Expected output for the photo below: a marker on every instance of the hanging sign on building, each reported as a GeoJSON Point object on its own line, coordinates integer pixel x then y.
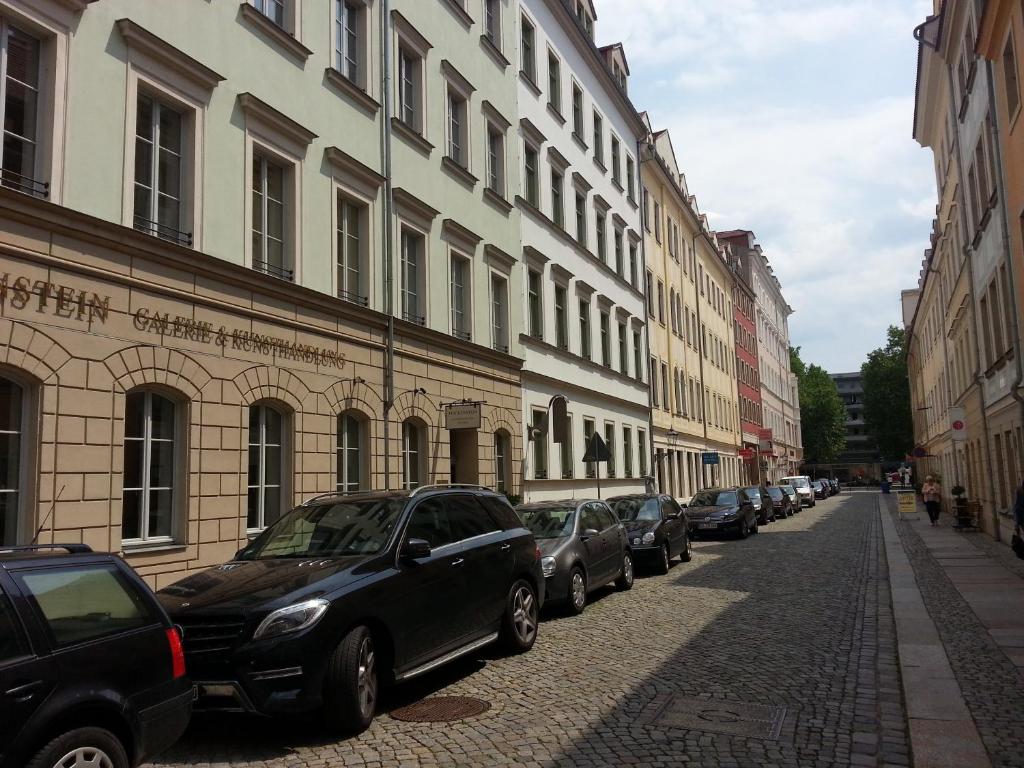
{"type": "Point", "coordinates": [746, 454]}
{"type": "Point", "coordinates": [710, 458]}
{"type": "Point", "coordinates": [764, 441]}
{"type": "Point", "coordinates": [462, 416]}
{"type": "Point", "coordinates": [958, 423]}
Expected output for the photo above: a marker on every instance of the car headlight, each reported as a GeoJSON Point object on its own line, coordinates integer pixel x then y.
{"type": "Point", "coordinates": [547, 565]}
{"type": "Point", "coordinates": [292, 618]}
{"type": "Point", "coordinates": [648, 537]}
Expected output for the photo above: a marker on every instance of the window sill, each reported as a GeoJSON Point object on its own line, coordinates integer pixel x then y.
{"type": "Point", "coordinates": [494, 52]}
{"type": "Point", "coordinates": [553, 110]}
{"type": "Point", "coordinates": [459, 13]}
{"type": "Point", "coordinates": [497, 201]}
{"type": "Point", "coordinates": [579, 141]}
{"type": "Point", "coordinates": [528, 81]}
{"type": "Point", "coordinates": [635, 206]}
{"type": "Point", "coordinates": [458, 172]}
{"type": "Point", "coordinates": [618, 185]}
{"type": "Point", "coordinates": [411, 137]}
{"type": "Point", "coordinates": [600, 165]}
{"type": "Point", "coordinates": [353, 92]}
{"type": "Point", "coordinates": [276, 34]}
{"type": "Point", "coordinates": [153, 548]}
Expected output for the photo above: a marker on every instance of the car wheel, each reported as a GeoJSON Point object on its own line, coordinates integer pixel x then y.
{"type": "Point", "coordinates": [625, 580]}
{"type": "Point", "coordinates": [576, 600]}
{"type": "Point", "coordinates": [522, 616]}
{"type": "Point", "coordinates": [82, 748]}
{"type": "Point", "coordinates": [665, 561]}
{"type": "Point", "coordinates": [352, 682]}
{"type": "Point", "coordinates": [686, 556]}
{"type": "Point", "coordinates": [754, 527]}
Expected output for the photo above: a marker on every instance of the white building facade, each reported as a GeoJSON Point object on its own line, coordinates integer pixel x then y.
{"type": "Point", "coordinates": [583, 304]}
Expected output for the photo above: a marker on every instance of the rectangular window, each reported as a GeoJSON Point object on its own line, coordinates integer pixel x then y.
{"type": "Point", "coordinates": [986, 328]}
{"type": "Point", "coordinates": [158, 163]}
{"type": "Point", "coordinates": [349, 234]}
{"type": "Point", "coordinates": [602, 237]}
{"type": "Point", "coordinates": [609, 440]}
{"type": "Point", "coordinates": [540, 446]}
{"type": "Point", "coordinates": [661, 302]}
{"type": "Point", "coordinates": [616, 171]}
{"type": "Point", "coordinates": [1010, 79]}
{"type": "Point", "coordinates": [657, 222]}
{"type": "Point", "coordinates": [499, 313]}
{"type": "Point", "coordinates": [459, 298]}
{"type": "Point", "coordinates": [535, 299]}
{"type": "Point", "coordinates": [647, 209]}
{"type": "Point", "coordinates": [650, 293]}
{"type": "Point", "coordinates": [627, 452]}
{"type": "Point", "coordinates": [577, 111]}
{"type": "Point", "coordinates": [530, 175]}
{"type": "Point", "coordinates": [634, 261]}
{"type": "Point", "coordinates": [652, 377]}
{"type": "Point", "coordinates": [554, 82]}
{"type": "Point", "coordinates": [630, 178]}
{"type": "Point", "coordinates": [641, 451]}
{"type": "Point", "coordinates": [350, 451]}
{"type": "Point", "coordinates": [623, 350]}
{"type": "Point", "coordinates": [557, 205]}
{"type": "Point", "coordinates": [606, 342]}
{"type": "Point", "coordinates": [566, 452]}
{"type": "Point", "coordinates": [584, 329]}
{"type": "Point", "coordinates": [637, 356]}
{"type": "Point", "coordinates": [666, 404]}
{"type": "Point", "coordinates": [620, 256]}
{"type": "Point", "coordinates": [272, 9]}
{"type": "Point", "coordinates": [492, 22]}
{"type": "Point", "coordinates": [346, 39]}
{"type": "Point", "coordinates": [268, 217]}
{"type": "Point", "coordinates": [409, 89]}
{"type": "Point", "coordinates": [581, 219]}
{"type": "Point", "coordinates": [588, 434]}
{"type": "Point", "coordinates": [412, 262]}
{"type": "Point", "coordinates": [526, 51]}
{"type": "Point", "coordinates": [495, 159]}
{"type": "Point", "coordinates": [561, 318]}
{"type": "Point", "coordinates": [598, 138]}
{"type": "Point", "coordinates": [457, 128]}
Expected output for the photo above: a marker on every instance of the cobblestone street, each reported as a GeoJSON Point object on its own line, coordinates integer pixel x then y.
{"type": "Point", "coordinates": [788, 618]}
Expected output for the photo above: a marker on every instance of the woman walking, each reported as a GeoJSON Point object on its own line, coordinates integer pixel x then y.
{"type": "Point", "coordinates": [930, 492]}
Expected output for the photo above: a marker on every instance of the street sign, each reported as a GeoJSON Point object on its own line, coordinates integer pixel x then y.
{"type": "Point", "coordinates": [958, 423]}
{"type": "Point", "coordinates": [462, 416]}
{"type": "Point", "coordinates": [746, 454]}
{"type": "Point", "coordinates": [710, 458]}
{"type": "Point", "coordinates": [907, 502]}
{"type": "Point", "coordinates": [596, 449]}
{"type": "Point", "coordinates": [764, 441]}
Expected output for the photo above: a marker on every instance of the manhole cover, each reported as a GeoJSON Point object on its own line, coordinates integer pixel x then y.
{"type": "Point", "coordinates": [732, 717]}
{"type": "Point", "coordinates": [441, 709]}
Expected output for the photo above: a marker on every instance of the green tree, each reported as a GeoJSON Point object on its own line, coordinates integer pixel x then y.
{"type": "Point", "coordinates": [822, 413]}
{"type": "Point", "coordinates": [887, 412]}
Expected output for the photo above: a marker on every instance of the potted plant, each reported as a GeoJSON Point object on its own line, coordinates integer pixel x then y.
{"type": "Point", "coordinates": [959, 492]}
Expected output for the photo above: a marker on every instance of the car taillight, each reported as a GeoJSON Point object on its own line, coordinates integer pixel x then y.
{"type": "Point", "coordinates": [177, 653]}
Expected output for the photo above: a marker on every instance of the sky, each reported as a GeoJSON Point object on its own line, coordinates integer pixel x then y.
{"type": "Point", "coordinates": [793, 119]}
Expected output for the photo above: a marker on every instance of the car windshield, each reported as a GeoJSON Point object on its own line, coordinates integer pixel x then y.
{"type": "Point", "coordinates": [775, 492]}
{"type": "Point", "coordinates": [714, 499]}
{"type": "Point", "coordinates": [637, 509]}
{"type": "Point", "coordinates": [356, 527]}
{"type": "Point", "coordinates": [797, 482]}
{"type": "Point", "coordinates": [789, 490]}
{"type": "Point", "coordinates": [548, 522]}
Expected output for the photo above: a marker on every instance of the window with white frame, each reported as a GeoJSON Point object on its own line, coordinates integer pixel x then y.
{"type": "Point", "coordinates": [609, 440]}
{"type": "Point", "coordinates": [566, 451]}
{"type": "Point", "coordinates": [350, 225]}
{"type": "Point", "coordinates": [410, 88]}
{"type": "Point", "coordinates": [348, 39]}
{"type": "Point", "coordinates": [561, 317]}
{"type": "Point", "coordinates": [637, 357]}
{"type": "Point", "coordinates": [627, 451]}
{"type": "Point", "coordinates": [492, 22]}
{"type": "Point", "coordinates": [502, 461]}
{"type": "Point", "coordinates": [20, 100]}
{"type": "Point", "coordinates": [590, 468]}
{"type": "Point", "coordinates": [630, 178]}
{"type": "Point", "coordinates": [352, 455]}
{"type": "Point", "coordinates": [623, 350]}
{"type": "Point", "coordinates": [499, 313]}
{"type": "Point", "coordinates": [460, 297]}
{"type": "Point", "coordinates": [581, 218]}
{"type": "Point", "coordinates": [527, 49]}
{"type": "Point", "coordinates": [641, 450]}
{"type": "Point", "coordinates": [158, 170]}
{"type": "Point", "coordinates": [273, 9]}
{"type": "Point", "coordinates": [606, 342]}
{"type": "Point", "coordinates": [269, 247]}
{"type": "Point", "coordinates": [633, 262]}
{"type": "Point", "coordinates": [413, 454]}
{"type": "Point", "coordinates": [620, 256]}
{"type": "Point", "coordinates": [585, 329]}
{"type": "Point", "coordinates": [600, 232]}
{"type": "Point", "coordinates": [598, 138]}
{"type": "Point", "coordinates": [577, 111]}
{"type": "Point", "coordinates": [458, 128]}
{"type": "Point", "coordinates": [266, 466]}
{"type": "Point", "coordinates": [557, 203]}
{"type": "Point", "coordinates": [554, 82]}
{"type": "Point", "coordinates": [12, 458]}
{"type": "Point", "coordinates": [535, 299]}
{"type": "Point", "coordinates": [412, 245]}
{"type": "Point", "coordinates": [540, 444]}
{"type": "Point", "coordinates": [495, 159]}
{"type": "Point", "coordinates": [148, 498]}
{"type": "Point", "coordinates": [616, 171]}
{"type": "Point", "coordinates": [530, 171]}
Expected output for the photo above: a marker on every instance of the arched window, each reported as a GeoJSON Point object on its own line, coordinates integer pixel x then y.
{"type": "Point", "coordinates": [147, 502]}
{"type": "Point", "coordinates": [11, 458]}
{"type": "Point", "coordinates": [352, 454]}
{"type": "Point", "coordinates": [502, 462]}
{"type": "Point", "coordinates": [413, 454]}
{"type": "Point", "coordinates": [266, 465]}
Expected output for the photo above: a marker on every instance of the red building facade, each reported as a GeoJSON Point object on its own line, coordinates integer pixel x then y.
{"type": "Point", "coordinates": [747, 370]}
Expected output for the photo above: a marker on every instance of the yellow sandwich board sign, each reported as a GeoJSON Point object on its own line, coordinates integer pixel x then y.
{"type": "Point", "coordinates": [907, 502]}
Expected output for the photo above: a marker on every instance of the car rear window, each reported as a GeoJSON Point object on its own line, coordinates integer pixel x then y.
{"type": "Point", "coordinates": [11, 643]}
{"type": "Point", "coordinates": [85, 602]}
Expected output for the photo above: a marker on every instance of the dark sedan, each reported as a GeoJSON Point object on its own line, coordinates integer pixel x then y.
{"type": "Point", "coordinates": [782, 505]}
{"type": "Point", "coordinates": [583, 547]}
{"type": "Point", "coordinates": [758, 496]}
{"type": "Point", "coordinates": [820, 489]}
{"type": "Point", "coordinates": [656, 527]}
{"type": "Point", "coordinates": [722, 510]}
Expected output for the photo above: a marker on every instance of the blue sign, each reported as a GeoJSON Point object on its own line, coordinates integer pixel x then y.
{"type": "Point", "coordinates": [710, 458]}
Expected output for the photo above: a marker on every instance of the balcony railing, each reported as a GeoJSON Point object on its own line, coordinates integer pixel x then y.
{"type": "Point", "coordinates": [501, 347]}
{"type": "Point", "coordinates": [24, 184]}
{"type": "Point", "coordinates": [163, 232]}
{"type": "Point", "coordinates": [272, 269]}
{"type": "Point", "coordinates": [464, 335]}
{"type": "Point", "coordinates": [411, 318]}
{"type": "Point", "coordinates": [353, 297]}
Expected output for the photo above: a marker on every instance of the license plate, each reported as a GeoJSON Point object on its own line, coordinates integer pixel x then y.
{"type": "Point", "coordinates": [708, 525]}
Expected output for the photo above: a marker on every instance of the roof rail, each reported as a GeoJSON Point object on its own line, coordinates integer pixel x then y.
{"type": "Point", "coordinates": [319, 496]}
{"type": "Point", "coordinates": [72, 549]}
{"type": "Point", "coordinates": [437, 486]}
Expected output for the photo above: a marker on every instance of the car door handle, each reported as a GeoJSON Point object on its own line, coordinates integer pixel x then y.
{"type": "Point", "coordinates": [23, 693]}
{"type": "Point", "coordinates": [506, 547]}
{"type": "Point", "coordinates": [458, 563]}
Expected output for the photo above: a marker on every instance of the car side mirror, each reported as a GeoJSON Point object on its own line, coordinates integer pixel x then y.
{"type": "Point", "coordinates": [238, 554]}
{"type": "Point", "coordinates": [415, 549]}
{"type": "Point", "coordinates": [587, 533]}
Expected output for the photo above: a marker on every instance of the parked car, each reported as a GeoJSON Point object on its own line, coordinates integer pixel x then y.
{"type": "Point", "coordinates": [583, 546]}
{"type": "Point", "coordinates": [722, 510]}
{"type": "Point", "coordinates": [802, 483]}
{"type": "Point", "coordinates": [91, 668]}
{"type": "Point", "coordinates": [820, 489]}
{"type": "Point", "coordinates": [758, 495]}
{"type": "Point", "coordinates": [656, 528]}
{"type": "Point", "coordinates": [782, 507]}
{"type": "Point", "coordinates": [344, 594]}
{"type": "Point", "coordinates": [836, 487]}
{"type": "Point", "coordinates": [794, 497]}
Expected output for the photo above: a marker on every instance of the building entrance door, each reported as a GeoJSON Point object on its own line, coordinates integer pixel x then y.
{"type": "Point", "coordinates": [464, 450]}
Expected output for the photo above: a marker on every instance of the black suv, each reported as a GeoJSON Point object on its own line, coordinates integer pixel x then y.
{"type": "Point", "coordinates": [344, 593]}
{"type": "Point", "coordinates": [91, 670]}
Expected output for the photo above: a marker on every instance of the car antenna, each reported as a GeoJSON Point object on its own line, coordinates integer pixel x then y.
{"type": "Point", "coordinates": [50, 512]}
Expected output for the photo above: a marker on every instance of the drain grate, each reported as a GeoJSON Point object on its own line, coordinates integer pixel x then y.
{"type": "Point", "coordinates": [735, 718]}
{"type": "Point", "coordinates": [441, 709]}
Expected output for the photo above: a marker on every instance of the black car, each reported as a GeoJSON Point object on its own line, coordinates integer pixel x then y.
{"type": "Point", "coordinates": [722, 510]}
{"type": "Point", "coordinates": [820, 489]}
{"type": "Point", "coordinates": [782, 505]}
{"type": "Point", "coordinates": [91, 671]}
{"type": "Point", "coordinates": [836, 488]}
{"type": "Point", "coordinates": [583, 547]}
{"type": "Point", "coordinates": [345, 593]}
{"type": "Point", "coordinates": [796, 503]}
{"type": "Point", "coordinates": [656, 527]}
{"type": "Point", "coordinates": [758, 496]}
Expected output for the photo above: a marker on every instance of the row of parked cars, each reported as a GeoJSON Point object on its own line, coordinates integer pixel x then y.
{"type": "Point", "coordinates": [341, 596]}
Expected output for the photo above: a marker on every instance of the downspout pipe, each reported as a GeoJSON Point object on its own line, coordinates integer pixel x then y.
{"type": "Point", "coordinates": [651, 453]}
{"type": "Point", "coordinates": [701, 348]}
{"type": "Point", "coordinates": [388, 234]}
